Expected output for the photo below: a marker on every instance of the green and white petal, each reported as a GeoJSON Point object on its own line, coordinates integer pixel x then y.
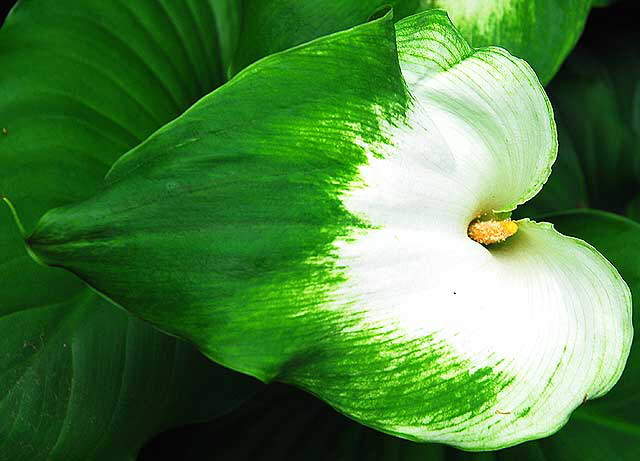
{"type": "Point", "coordinates": [307, 222]}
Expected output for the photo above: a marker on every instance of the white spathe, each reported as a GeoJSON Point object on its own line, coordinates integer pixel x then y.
{"type": "Point", "coordinates": [541, 307]}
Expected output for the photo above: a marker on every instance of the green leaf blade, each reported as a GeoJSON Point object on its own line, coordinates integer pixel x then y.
{"type": "Point", "coordinates": [82, 82]}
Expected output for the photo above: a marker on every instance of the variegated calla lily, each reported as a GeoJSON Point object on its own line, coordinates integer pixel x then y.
{"type": "Point", "coordinates": [336, 217]}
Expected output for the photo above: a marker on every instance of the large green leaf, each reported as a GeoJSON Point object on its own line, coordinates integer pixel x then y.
{"type": "Point", "coordinates": [307, 222]}
{"type": "Point", "coordinates": [81, 83]}
{"type": "Point", "coordinates": [541, 31]}
{"type": "Point", "coordinates": [287, 424]}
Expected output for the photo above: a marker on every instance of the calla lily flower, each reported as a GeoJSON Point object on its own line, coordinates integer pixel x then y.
{"type": "Point", "coordinates": [337, 217]}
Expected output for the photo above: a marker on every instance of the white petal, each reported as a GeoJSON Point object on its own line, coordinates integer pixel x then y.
{"type": "Point", "coordinates": [545, 313]}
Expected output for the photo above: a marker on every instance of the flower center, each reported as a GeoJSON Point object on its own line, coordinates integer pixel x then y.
{"type": "Point", "coordinates": [491, 231]}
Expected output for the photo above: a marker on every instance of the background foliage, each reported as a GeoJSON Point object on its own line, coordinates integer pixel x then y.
{"type": "Point", "coordinates": [596, 97]}
{"type": "Point", "coordinates": [79, 377]}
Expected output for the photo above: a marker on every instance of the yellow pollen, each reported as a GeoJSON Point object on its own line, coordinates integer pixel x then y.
{"type": "Point", "coordinates": [488, 232]}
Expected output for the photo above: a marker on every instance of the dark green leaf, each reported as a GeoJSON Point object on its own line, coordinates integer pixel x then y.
{"type": "Point", "coordinates": [269, 26]}
{"type": "Point", "coordinates": [81, 83]}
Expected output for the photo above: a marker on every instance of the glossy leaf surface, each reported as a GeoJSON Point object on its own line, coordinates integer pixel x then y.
{"type": "Point", "coordinates": [300, 228]}
{"type": "Point", "coordinates": [633, 209]}
{"type": "Point", "coordinates": [81, 83]}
